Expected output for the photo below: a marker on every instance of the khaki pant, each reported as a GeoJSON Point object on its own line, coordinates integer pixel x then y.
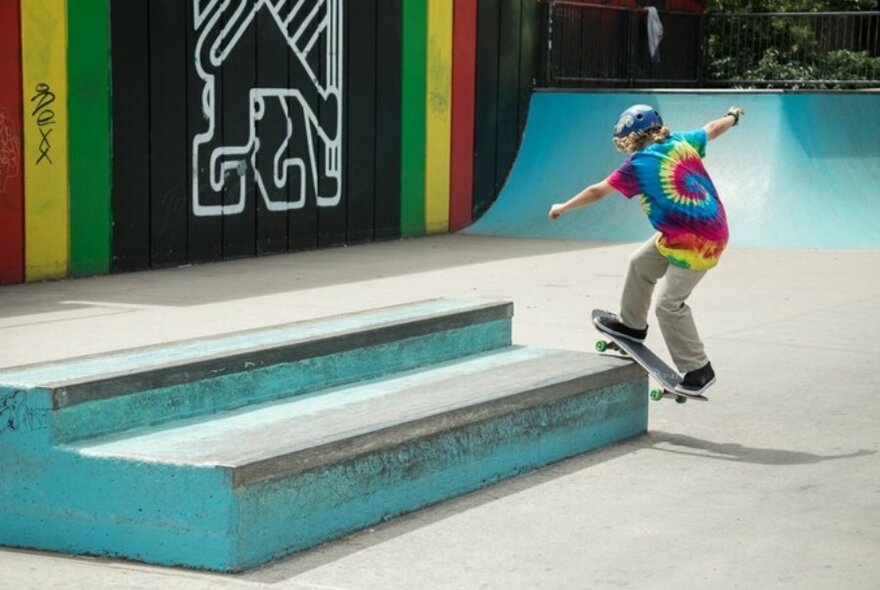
{"type": "Point", "coordinates": [646, 267]}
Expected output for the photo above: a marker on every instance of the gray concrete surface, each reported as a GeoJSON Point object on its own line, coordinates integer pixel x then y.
{"type": "Point", "coordinates": [775, 483]}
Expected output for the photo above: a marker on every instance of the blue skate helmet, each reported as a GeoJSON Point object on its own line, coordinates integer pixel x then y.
{"type": "Point", "coordinates": [638, 117]}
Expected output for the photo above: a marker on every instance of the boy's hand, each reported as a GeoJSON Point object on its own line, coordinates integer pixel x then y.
{"type": "Point", "coordinates": [718, 127]}
{"type": "Point", "coordinates": [736, 113]}
{"type": "Point", "coordinates": [588, 196]}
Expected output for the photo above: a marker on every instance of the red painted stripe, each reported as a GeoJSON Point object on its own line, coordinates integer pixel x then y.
{"type": "Point", "coordinates": [464, 47]}
{"type": "Point", "coordinates": [11, 177]}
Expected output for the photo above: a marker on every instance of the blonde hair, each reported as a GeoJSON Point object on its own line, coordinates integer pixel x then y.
{"type": "Point", "coordinates": [639, 140]}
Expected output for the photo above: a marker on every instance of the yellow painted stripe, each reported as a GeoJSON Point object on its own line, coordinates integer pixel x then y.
{"type": "Point", "coordinates": [44, 84]}
{"type": "Point", "coordinates": [438, 115]}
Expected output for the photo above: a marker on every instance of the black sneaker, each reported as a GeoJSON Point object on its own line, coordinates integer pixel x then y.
{"type": "Point", "coordinates": [696, 382]}
{"type": "Point", "coordinates": [611, 324]}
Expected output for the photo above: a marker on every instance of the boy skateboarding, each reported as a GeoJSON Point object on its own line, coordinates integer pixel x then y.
{"type": "Point", "coordinates": [665, 170]}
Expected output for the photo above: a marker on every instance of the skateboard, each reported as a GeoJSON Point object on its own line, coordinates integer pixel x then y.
{"type": "Point", "coordinates": [667, 377]}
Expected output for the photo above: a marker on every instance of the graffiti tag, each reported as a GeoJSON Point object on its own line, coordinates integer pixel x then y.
{"type": "Point", "coordinates": [45, 119]}
{"type": "Point", "coordinates": [9, 150]}
{"type": "Point", "coordinates": [16, 414]}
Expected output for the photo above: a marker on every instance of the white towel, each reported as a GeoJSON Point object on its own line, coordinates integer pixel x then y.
{"type": "Point", "coordinates": [655, 34]}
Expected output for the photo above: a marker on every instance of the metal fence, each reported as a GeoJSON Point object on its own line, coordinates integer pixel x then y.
{"type": "Point", "coordinates": [604, 46]}
{"type": "Point", "coordinates": [589, 45]}
{"type": "Point", "coordinates": [807, 50]}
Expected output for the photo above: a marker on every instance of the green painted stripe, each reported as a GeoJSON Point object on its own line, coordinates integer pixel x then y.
{"type": "Point", "coordinates": [89, 107]}
{"type": "Point", "coordinates": [412, 161]}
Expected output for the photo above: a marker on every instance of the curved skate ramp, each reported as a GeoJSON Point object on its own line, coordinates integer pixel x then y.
{"type": "Point", "coordinates": [801, 171]}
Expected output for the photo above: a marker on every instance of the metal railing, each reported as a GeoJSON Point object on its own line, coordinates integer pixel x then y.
{"type": "Point", "coordinates": [590, 45]}
{"type": "Point", "coordinates": [604, 46]}
{"type": "Point", "coordinates": [806, 50]}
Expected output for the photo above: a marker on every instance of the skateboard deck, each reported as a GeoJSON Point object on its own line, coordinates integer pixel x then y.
{"type": "Point", "coordinates": [665, 375]}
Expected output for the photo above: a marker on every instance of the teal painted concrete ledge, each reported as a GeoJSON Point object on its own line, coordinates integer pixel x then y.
{"type": "Point", "coordinates": [348, 426]}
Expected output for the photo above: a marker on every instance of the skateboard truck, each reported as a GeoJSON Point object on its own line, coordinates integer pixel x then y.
{"type": "Point", "coordinates": [667, 377]}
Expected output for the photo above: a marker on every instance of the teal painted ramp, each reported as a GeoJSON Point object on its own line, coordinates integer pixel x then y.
{"type": "Point", "coordinates": [801, 171]}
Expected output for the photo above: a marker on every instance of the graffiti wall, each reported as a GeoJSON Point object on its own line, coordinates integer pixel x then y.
{"type": "Point", "coordinates": [11, 171]}
{"type": "Point", "coordinates": [44, 149]}
{"type": "Point", "coordinates": [154, 133]}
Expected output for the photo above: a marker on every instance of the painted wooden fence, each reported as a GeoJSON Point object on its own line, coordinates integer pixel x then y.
{"type": "Point", "coordinates": [11, 170]}
{"type": "Point", "coordinates": [139, 134]}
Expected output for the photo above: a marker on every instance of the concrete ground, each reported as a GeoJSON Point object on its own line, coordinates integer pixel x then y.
{"type": "Point", "coordinates": [775, 483]}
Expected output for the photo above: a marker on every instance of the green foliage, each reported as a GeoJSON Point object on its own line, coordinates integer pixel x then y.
{"type": "Point", "coordinates": [774, 68]}
{"type": "Point", "coordinates": [785, 50]}
{"type": "Point", "coordinates": [853, 65]}
{"type": "Point", "coordinates": [750, 6]}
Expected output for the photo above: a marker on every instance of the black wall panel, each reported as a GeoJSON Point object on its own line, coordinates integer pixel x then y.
{"type": "Point", "coordinates": [205, 233]}
{"type": "Point", "coordinates": [239, 77]}
{"type": "Point", "coordinates": [529, 56]}
{"type": "Point", "coordinates": [360, 127]}
{"type": "Point", "coordinates": [331, 220]}
{"type": "Point", "coordinates": [271, 127]}
{"type": "Point", "coordinates": [168, 167]}
{"type": "Point", "coordinates": [486, 105]}
{"type": "Point", "coordinates": [388, 112]}
{"type": "Point", "coordinates": [506, 68]}
{"type": "Point", "coordinates": [303, 221]}
{"type": "Point", "coordinates": [509, 32]}
{"type": "Point", "coordinates": [131, 139]}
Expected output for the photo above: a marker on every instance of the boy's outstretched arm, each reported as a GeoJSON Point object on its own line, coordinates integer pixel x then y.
{"type": "Point", "coordinates": [719, 126]}
{"type": "Point", "coordinates": [588, 196]}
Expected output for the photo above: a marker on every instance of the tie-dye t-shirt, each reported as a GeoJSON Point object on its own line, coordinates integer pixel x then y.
{"type": "Point", "coordinates": [679, 198]}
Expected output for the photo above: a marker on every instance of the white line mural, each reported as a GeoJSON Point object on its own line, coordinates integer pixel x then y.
{"type": "Point", "coordinates": [302, 156]}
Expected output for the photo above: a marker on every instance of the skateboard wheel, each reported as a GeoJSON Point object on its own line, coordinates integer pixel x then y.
{"type": "Point", "coordinates": [681, 399]}
{"type": "Point", "coordinates": [601, 346]}
{"type": "Point", "coordinates": [656, 394]}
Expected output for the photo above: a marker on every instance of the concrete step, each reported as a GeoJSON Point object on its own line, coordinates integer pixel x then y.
{"type": "Point", "coordinates": [90, 396]}
{"type": "Point", "coordinates": [235, 490]}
